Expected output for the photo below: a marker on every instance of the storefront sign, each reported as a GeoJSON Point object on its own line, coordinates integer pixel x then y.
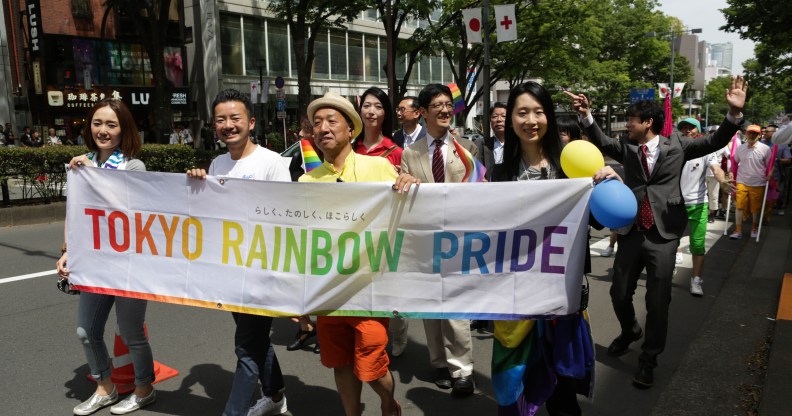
{"type": "Point", "coordinates": [133, 97]}
{"type": "Point", "coordinates": [37, 78]}
{"type": "Point", "coordinates": [35, 31]}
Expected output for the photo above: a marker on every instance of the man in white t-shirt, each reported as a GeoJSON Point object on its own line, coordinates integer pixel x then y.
{"type": "Point", "coordinates": [752, 158]}
{"type": "Point", "coordinates": [256, 360]}
{"type": "Point", "coordinates": [694, 191]}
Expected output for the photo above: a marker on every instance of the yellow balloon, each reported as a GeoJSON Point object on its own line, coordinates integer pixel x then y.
{"type": "Point", "coordinates": [581, 159]}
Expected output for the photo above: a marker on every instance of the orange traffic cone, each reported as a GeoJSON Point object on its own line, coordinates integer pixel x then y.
{"type": "Point", "coordinates": [123, 375]}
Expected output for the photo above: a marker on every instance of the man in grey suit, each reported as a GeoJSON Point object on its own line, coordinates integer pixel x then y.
{"type": "Point", "coordinates": [434, 159]}
{"type": "Point", "coordinates": [652, 166]}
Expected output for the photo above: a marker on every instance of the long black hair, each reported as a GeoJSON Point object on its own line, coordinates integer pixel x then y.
{"type": "Point", "coordinates": [550, 142]}
{"type": "Point", "coordinates": [387, 122]}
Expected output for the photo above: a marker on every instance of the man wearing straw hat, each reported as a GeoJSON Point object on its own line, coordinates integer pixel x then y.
{"type": "Point", "coordinates": [354, 347]}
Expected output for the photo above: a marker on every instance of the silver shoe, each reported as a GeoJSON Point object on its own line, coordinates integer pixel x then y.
{"type": "Point", "coordinates": [132, 403]}
{"type": "Point", "coordinates": [96, 402]}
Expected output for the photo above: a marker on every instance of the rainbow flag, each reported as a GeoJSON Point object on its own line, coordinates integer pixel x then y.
{"type": "Point", "coordinates": [311, 160]}
{"type": "Point", "coordinates": [474, 170]}
{"type": "Point", "coordinates": [456, 94]}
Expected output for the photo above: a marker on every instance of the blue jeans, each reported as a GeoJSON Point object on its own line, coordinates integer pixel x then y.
{"type": "Point", "coordinates": [92, 316]}
{"type": "Point", "coordinates": [256, 361]}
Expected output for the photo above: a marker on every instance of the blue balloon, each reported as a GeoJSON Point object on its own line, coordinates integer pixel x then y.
{"type": "Point", "coordinates": [613, 204]}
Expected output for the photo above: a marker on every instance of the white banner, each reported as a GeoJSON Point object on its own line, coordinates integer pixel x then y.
{"type": "Point", "coordinates": [473, 27]}
{"type": "Point", "coordinates": [481, 250]}
{"type": "Point", "coordinates": [506, 22]}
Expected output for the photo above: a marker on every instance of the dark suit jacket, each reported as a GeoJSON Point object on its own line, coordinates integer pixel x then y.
{"type": "Point", "coordinates": [486, 155]}
{"type": "Point", "coordinates": [665, 196]}
{"type": "Point", "coordinates": [398, 137]}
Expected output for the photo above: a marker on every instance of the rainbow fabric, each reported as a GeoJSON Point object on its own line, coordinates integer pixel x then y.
{"type": "Point", "coordinates": [528, 356]}
{"type": "Point", "coordinates": [311, 160]}
{"type": "Point", "coordinates": [474, 170]}
{"type": "Point", "coordinates": [456, 95]}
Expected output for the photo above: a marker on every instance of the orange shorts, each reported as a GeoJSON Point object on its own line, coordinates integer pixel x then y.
{"type": "Point", "coordinates": [356, 341]}
{"type": "Point", "coordinates": [749, 198]}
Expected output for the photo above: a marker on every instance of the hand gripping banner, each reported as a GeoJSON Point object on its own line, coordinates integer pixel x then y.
{"type": "Point", "coordinates": [474, 250]}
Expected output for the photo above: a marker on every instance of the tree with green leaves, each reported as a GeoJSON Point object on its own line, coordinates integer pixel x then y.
{"type": "Point", "coordinates": [615, 54]}
{"type": "Point", "coordinates": [544, 30]}
{"type": "Point", "coordinates": [394, 14]}
{"type": "Point", "coordinates": [308, 19]}
{"type": "Point", "coordinates": [766, 22]}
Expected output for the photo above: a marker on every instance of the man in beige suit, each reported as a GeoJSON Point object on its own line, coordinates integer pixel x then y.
{"type": "Point", "coordinates": [434, 159]}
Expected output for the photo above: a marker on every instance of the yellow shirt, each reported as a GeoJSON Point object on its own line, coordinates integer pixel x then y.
{"type": "Point", "coordinates": [357, 168]}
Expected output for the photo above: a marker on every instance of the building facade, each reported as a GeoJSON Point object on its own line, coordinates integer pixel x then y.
{"type": "Point", "coordinates": [239, 42]}
{"type": "Point", "coordinates": [65, 57]}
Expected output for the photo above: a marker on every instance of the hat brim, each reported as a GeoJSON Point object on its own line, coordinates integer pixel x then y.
{"type": "Point", "coordinates": [341, 104]}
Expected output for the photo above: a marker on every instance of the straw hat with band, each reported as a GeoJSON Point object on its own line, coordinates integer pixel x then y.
{"type": "Point", "coordinates": [341, 104]}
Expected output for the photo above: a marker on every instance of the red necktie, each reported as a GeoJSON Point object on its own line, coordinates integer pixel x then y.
{"type": "Point", "coordinates": [645, 216]}
{"type": "Point", "coordinates": [438, 170]}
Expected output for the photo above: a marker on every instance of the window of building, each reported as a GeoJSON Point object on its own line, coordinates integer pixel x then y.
{"type": "Point", "coordinates": [401, 67]}
{"type": "Point", "coordinates": [255, 45]}
{"type": "Point", "coordinates": [338, 55]}
{"type": "Point", "coordinates": [356, 64]}
{"type": "Point", "coordinates": [321, 66]}
{"type": "Point", "coordinates": [231, 44]}
{"type": "Point", "coordinates": [436, 69]}
{"type": "Point", "coordinates": [371, 14]}
{"type": "Point", "coordinates": [279, 50]}
{"type": "Point", "coordinates": [383, 60]}
{"type": "Point", "coordinates": [371, 54]}
{"type": "Point", "coordinates": [424, 71]}
{"type": "Point", "coordinates": [448, 76]}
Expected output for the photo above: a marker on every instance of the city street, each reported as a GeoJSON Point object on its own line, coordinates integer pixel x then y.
{"type": "Point", "coordinates": [45, 372]}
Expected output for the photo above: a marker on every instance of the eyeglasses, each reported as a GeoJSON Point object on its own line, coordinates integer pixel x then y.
{"type": "Point", "coordinates": [498, 117]}
{"type": "Point", "coordinates": [437, 106]}
{"type": "Point", "coordinates": [405, 110]}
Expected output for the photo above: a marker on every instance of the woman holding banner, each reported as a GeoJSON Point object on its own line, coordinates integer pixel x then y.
{"type": "Point", "coordinates": [539, 362]}
{"type": "Point", "coordinates": [114, 142]}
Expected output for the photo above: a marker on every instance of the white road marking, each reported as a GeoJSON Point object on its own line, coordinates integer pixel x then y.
{"type": "Point", "coordinates": [28, 276]}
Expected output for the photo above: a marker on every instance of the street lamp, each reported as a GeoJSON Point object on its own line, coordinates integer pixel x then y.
{"type": "Point", "coordinates": [261, 64]}
{"type": "Point", "coordinates": [673, 34]}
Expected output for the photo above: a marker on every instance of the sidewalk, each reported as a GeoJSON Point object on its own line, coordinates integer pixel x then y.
{"type": "Point", "coordinates": [723, 372]}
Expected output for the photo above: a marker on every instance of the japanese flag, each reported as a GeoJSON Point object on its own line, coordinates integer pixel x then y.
{"type": "Point", "coordinates": [663, 88]}
{"type": "Point", "coordinates": [506, 22]}
{"type": "Point", "coordinates": [472, 24]}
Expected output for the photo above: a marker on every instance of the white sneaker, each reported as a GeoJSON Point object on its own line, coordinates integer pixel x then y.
{"type": "Point", "coordinates": [266, 407]}
{"type": "Point", "coordinates": [781, 212]}
{"type": "Point", "coordinates": [678, 259]}
{"type": "Point", "coordinates": [736, 235]}
{"type": "Point", "coordinates": [607, 252]}
{"type": "Point", "coordinates": [754, 233]}
{"type": "Point", "coordinates": [695, 286]}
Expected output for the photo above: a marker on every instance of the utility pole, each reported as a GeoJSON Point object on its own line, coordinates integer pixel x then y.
{"type": "Point", "coordinates": [485, 124]}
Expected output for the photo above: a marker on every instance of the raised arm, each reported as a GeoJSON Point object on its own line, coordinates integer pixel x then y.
{"type": "Point", "coordinates": [609, 146]}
